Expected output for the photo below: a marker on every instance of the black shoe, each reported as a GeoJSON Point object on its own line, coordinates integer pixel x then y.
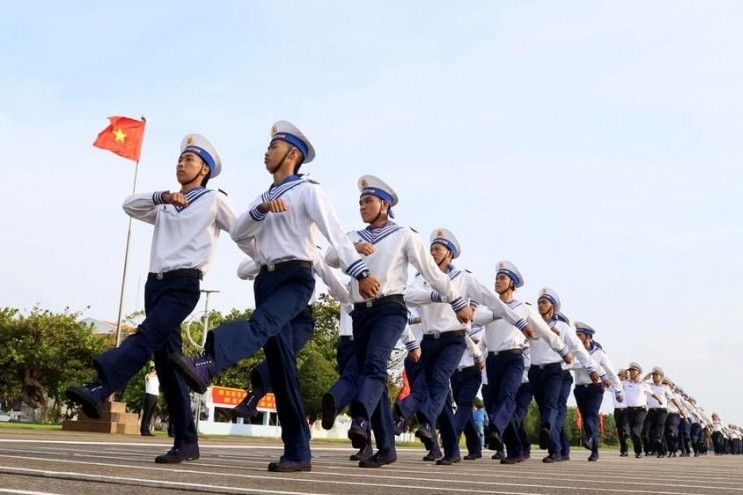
{"type": "Point", "coordinates": [551, 459]}
{"type": "Point", "coordinates": [247, 408]}
{"type": "Point", "coordinates": [593, 457]}
{"type": "Point", "coordinates": [424, 432]}
{"type": "Point", "coordinates": [638, 456]}
{"type": "Point", "coordinates": [90, 397]}
{"type": "Point", "coordinates": [198, 372]}
{"type": "Point", "coordinates": [493, 439]}
{"type": "Point", "coordinates": [472, 457]}
{"type": "Point", "coordinates": [380, 459]}
{"type": "Point", "coordinates": [432, 455]}
{"type": "Point", "coordinates": [357, 433]}
{"type": "Point", "coordinates": [566, 457]}
{"type": "Point", "coordinates": [176, 455]}
{"type": "Point", "coordinates": [363, 453]}
{"type": "Point", "coordinates": [448, 461]}
{"type": "Point", "coordinates": [498, 455]}
{"type": "Point", "coordinates": [329, 411]}
{"type": "Point", "coordinates": [587, 445]}
{"type": "Point", "coordinates": [623, 454]}
{"type": "Point", "coordinates": [287, 466]}
{"type": "Point", "coordinates": [512, 460]}
{"type": "Point", "coordinates": [146, 434]}
{"type": "Point", "coordinates": [544, 438]}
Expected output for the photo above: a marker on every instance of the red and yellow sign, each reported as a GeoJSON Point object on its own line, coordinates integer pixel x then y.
{"type": "Point", "coordinates": [230, 397]}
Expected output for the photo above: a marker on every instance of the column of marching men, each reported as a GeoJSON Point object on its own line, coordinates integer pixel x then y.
{"type": "Point", "coordinates": [462, 338]}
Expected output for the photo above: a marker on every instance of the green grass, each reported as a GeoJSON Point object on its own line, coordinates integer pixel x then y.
{"type": "Point", "coordinates": [29, 426]}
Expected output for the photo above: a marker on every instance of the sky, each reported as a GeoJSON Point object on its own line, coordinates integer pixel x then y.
{"type": "Point", "coordinates": [594, 144]}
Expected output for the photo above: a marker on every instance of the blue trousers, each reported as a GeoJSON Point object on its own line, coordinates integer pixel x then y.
{"type": "Point", "coordinates": [465, 384]}
{"type": "Point", "coordinates": [376, 330]}
{"type": "Point", "coordinates": [546, 384]}
{"type": "Point", "coordinates": [344, 389]}
{"type": "Point", "coordinates": [562, 411]}
{"type": "Point", "coordinates": [515, 437]}
{"type": "Point", "coordinates": [280, 297]}
{"type": "Point", "coordinates": [684, 436]}
{"type": "Point", "coordinates": [588, 398]}
{"type": "Point", "coordinates": [166, 303]}
{"type": "Point", "coordinates": [302, 327]}
{"type": "Point", "coordinates": [416, 373]}
{"type": "Point", "coordinates": [504, 378]}
{"type": "Point", "coordinates": [440, 359]}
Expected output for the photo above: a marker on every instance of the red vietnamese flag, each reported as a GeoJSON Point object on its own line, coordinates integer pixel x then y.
{"type": "Point", "coordinates": [123, 136]}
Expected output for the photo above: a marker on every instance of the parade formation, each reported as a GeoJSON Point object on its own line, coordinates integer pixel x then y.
{"type": "Point", "coordinates": [463, 339]}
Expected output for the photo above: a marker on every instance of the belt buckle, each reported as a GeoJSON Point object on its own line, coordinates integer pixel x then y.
{"type": "Point", "coordinates": [159, 275]}
{"type": "Point", "coordinates": [436, 335]}
{"type": "Point", "coordinates": [271, 267]}
{"type": "Point", "coordinates": [369, 303]}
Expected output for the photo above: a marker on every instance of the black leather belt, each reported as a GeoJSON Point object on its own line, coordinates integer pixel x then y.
{"type": "Point", "coordinates": [636, 408]}
{"type": "Point", "coordinates": [507, 351]}
{"type": "Point", "coordinates": [373, 303]}
{"type": "Point", "coordinates": [180, 273]}
{"type": "Point", "coordinates": [547, 366]}
{"type": "Point", "coordinates": [444, 335]}
{"type": "Point", "coordinates": [467, 368]}
{"type": "Point", "coordinates": [282, 265]}
{"type": "Point", "coordinates": [589, 385]}
{"type": "Point", "coordinates": [347, 338]}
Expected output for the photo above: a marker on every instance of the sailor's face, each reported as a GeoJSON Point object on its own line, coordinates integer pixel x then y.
{"type": "Point", "coordinates": [544, 305]}
{"type": "Point", "coordinates": [502, 283]}
{"type": "Point", "coordinates": [439, 252]}
{"type": "Point", "coordinates": [369, 207]}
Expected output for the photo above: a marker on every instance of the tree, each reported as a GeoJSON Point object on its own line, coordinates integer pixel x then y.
{"type": "Point", "coordinates": [43, 353]}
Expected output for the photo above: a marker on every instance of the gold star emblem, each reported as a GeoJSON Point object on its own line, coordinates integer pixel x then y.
{"type": "Point", "coordinates": [364, 183]}
{"type": "Point", "coordinates": [119, 135]}
{"type": "Point", "coordinates": [439, 234]}
{"type": "Point", "coordinates": [274, 130]}
{"type": "Point", "coordinates": [189, 140]}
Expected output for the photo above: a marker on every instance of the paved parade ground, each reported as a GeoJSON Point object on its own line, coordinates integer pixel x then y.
{"type": "Point", "coordinates": [55, 462]}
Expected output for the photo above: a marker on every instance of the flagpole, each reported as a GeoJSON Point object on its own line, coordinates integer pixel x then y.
{"type": "Point", "coordinates": [126, 258]}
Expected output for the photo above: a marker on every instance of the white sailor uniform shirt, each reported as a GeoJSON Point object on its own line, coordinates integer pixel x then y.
{"type": "Point", "coordinates": [662, 392]}
{"type": "Point", "coordinates": [289, 235]}
{"type": "Point", "coordinates": [500, 335]}
{"type": "Point", "coordinates": [601, 363]}
{"type": "Point", "coordinates": [394, 247]}
{"type": "Point", "coordinates": [636, 393]}
{"type": "Point", "coordinates": [184, 237]}
{"type": "Point", "coordinates": [542, 353]}
{"type": "Point", "coordinates": [438, 317]}
{"type": "Point", "coordinates": [566, 332]}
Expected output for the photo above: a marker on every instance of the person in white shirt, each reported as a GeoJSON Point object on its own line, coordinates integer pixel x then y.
{"type": "Point", "coordinates": [445, 340]}
{"type": "Point", "coordinates": [151, 393]}
{"type": "Point", "coordinates": [620, 417]}
{"type": "Point", "coordinates": [187, 224]}
{"type": "Point", "coordinates": [658, 412]}
{"type": "Point", "coordinates": [378, 322]}
{"type": "Point", "coordinates": [505, 342]}
{"type": "Point", "coordinates": [636, 393]}
{"type": "Point", "coordinates": [589, 395]}
{"type": "Point", "coordinates": [548, 385]}
{"type": "Point", "coordinates": [279, 227]}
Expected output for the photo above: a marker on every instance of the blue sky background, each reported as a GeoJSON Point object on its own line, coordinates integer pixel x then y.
{"type": "Point", "coordinates": [594, 144]}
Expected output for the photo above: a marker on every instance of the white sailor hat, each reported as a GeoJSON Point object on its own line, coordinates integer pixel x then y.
{"type": "Point", "coordinates": [658, 370]}
{"type": "Point", "coordinates": [634, 366]}
{"type": "Point", "coordinates": [369, 184]}
{"type": "Point", "coordinates": [289, 133]}
{"type": "Point", "coordinates": [448, 240]}
{"type": "Point", "coordinates": [551, 296]}
{"type": "Point", "coordinates": [584, 328]}
{"type": "Point", "coordinates": [196, 143]}
{"type": "Point", "coordinates": [511, 271]}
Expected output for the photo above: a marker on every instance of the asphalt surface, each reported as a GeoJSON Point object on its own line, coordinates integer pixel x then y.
{"type": "Point", "coordinates": [33, 462]}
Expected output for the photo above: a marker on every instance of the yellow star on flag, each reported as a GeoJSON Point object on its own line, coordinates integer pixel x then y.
{"type": "Point", "coordinates": [120, 136]}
